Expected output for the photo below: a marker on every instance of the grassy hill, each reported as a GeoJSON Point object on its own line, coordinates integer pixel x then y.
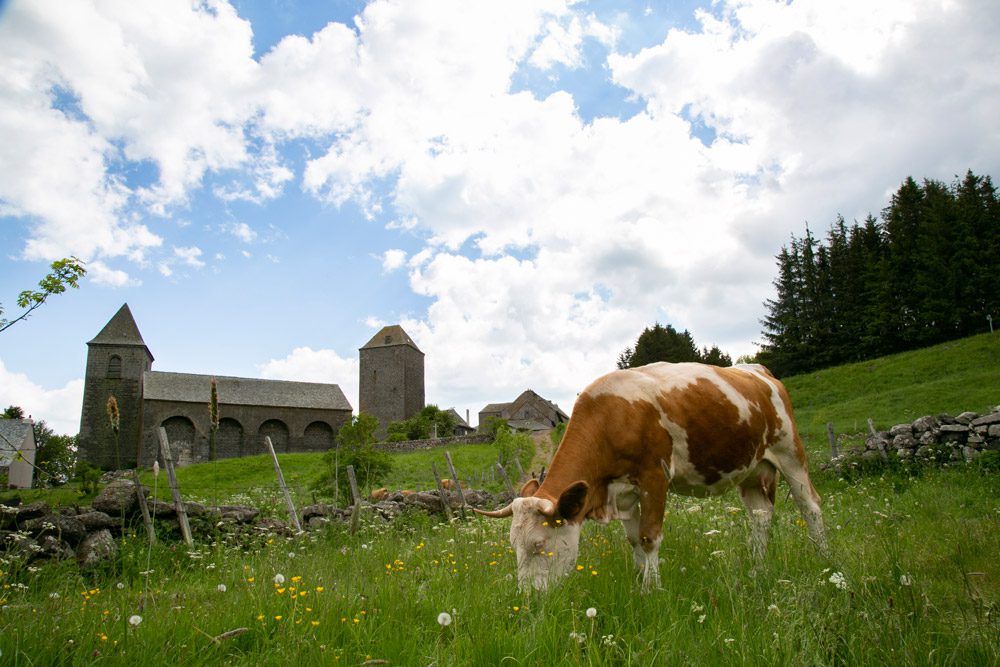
{"type": "Point", "coordinates": [951, 378]}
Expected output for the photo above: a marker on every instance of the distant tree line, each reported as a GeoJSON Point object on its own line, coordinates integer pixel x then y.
{"type": "Point", "coordinates": [664, 343]}
{"type": "Point", "coordinates": [927, 272]}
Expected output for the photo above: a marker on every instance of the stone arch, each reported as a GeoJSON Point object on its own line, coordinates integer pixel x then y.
{"type": "Point", "coordinates": [318, 437]}
{"type": "Point", "coordinates": [181, 435]}
{"type": "Point", "coordinates": [229, 438]}
{"type": "Point", "coordinates": [278, 432]}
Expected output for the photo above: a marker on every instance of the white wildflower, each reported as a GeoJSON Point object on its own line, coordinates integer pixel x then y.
{"type": "Point", "coordinates": [591, 612]}
{"type": "Point", "coordinates": [444, 619]}
{"type": "Point", "coordinates": [714, 531]}
{"type": "Point", "coordinates": [905, 580]}
{"type": "Point", "coordinates": [838, 580]}
{"type": "Point", "coordinates": [579, 637]}
{"type": "Point", "coordinates": [134, 620]}
{"type": "Point", "coordinates": [279, 578]}
{"type": "Point", "coordinates": [53, 595]}
{"type": "Point", "coordinates": [221, 588]}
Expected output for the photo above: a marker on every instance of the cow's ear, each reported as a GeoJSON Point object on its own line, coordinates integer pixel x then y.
{"type": "Point", "coordinates": [529, 488]}
{"type": "Point", "coordinates": [572, 500]}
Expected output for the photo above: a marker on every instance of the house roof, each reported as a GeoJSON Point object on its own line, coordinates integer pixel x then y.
{"type": "Point", "coordinates": [390, 336]}
{"type": "Point", "coordinates": [496, 407]}
{"type": "Point", "coordinates": [121, 330]}
{"type": "Point", "coordinates": [13, 433]}
{"type": "Point", "coordinates": [459, 419]}
{"type": "Point", "coordinates": [191, 388]}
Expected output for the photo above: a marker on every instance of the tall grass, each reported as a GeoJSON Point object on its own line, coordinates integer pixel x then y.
{"type": "Point", "coordinates": [912, 579]}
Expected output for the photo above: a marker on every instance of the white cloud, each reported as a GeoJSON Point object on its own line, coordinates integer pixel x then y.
{"type": "Point", "coordinates": [304, 364]}
{"type": "Point", "coordinates": [393, 259]}
{"type": "Point", "coordinates": [101, 273]}
{"type": "Point", "coordinates": [241, 231]}
{"type": "Point", "coordinates": [60, 408]}
{"type": "Point", "coordinates": [189, 256]}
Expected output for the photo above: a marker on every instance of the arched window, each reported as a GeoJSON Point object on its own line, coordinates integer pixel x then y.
{"type": "Point", "coordinates": [318, 437]}
{"type": "Point", "coordinates": [114, 367]}
{"type": "Point", "coordinates": [277, 431]}
{"type": "Point", "coordinates": [180, 435]}
{"type": "Point", "coordinates": [229, 438]}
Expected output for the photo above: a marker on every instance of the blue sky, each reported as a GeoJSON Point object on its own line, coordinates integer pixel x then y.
{"type": "Point", "coordinates": [523, 186]}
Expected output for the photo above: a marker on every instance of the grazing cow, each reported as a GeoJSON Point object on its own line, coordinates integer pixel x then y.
{"type": "Point", "coordinates": [379, 494]}
{"type": "Point", "coordinates": [696, 429]}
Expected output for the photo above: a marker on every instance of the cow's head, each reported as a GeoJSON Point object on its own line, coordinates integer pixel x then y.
{"type": "Point", "coordinates": [545, 535]}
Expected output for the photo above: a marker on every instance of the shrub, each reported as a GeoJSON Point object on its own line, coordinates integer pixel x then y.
{"type": "Point", "coordinates": [355, 448]}
{"type": "Point", "coordinates": [513, 445]}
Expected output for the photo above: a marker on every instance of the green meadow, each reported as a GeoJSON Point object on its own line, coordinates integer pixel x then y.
{"type": "Point", "coordinates": [912, 577]}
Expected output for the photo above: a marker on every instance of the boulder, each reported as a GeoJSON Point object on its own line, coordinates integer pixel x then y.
{"type": "Point", "coordinates": [966, 417]}
{"type": "Point", "coordinates": [901, 429]}
{"type": "Point", "coordinates": [924, 424]}
{"type": "Point", "coordinates": [96, 547]}
{"type": "Point", "coordinates": [238, 513]}
{"type": "Point", "coordinates": [117, 498]}
{"type": "Point", "coordinates": [93, 521]}
{"type": "Point", "coordinates": [33, 511]}
{"type": "Point", "coordinates": [68, 528]}
{"type": "Point", "coordinates": [986, 420]}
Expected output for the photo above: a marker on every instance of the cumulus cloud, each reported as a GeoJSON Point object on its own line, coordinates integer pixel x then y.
{"type": "Point", "coordinates": [393, 259]}
{"type": "Point", "coordinates": [305, 364]}
{"type": "Point", "coordinates": [60, 408]}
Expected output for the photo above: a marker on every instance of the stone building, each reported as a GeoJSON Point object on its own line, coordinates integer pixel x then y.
{"type": "Point", "coordinates": [17, 453]}
{"type": "Point", "coordinates": [298, 416]}
{"type": "Point", "coordinates": [527, 412]}
{"type": "Point", "coordinates": [391, 377]}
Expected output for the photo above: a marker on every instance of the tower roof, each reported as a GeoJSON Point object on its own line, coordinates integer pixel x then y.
{"type": "Point", "coordinates": [390, 336]}
{"type": "Point", "coordinates": [120, 330]}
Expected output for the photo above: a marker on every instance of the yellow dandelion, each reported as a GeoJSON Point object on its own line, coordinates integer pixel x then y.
{"type": "Point", "coordinates": [320, 589]}
{"type": "Point", "coordinates": [314, 623]}
{"type": "Point", "coordinates": [296, 579]}
{"type": "Point", "coordinates": [260, 617]}
{"type": "Point", "coordinates": [278, 617]}
{"type": "Point", "coordinates": [250, 580]}
{"type": "Point", "coordinates": [516, 608]}
{"type": "Point", "coordinates": [579, 568]}
{"type": "Point", "coordinates": [593, 573]}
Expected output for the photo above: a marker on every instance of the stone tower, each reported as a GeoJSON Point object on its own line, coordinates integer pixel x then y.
{"type": "Point", "coordinates": [116, 361]}
{"type": "Point", "coordinates": [391, 385]}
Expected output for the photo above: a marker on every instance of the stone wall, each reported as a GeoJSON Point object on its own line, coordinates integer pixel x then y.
{"type": "Point", "coordinates": [940, 439]}
{"type": "Point", "coordinates": [435, 443]}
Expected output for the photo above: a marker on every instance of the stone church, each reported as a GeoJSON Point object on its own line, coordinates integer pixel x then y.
{"type": "Point", "coordinates": [298, 416]}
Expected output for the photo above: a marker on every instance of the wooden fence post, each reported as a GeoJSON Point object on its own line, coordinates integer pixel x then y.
{"type": "Point", "coordinates": [442, 493]}
{"type": "Point", "coordinates": [168, 463]}
{"type": "Point", "coordinates": [520, 470]}
{"type": "Point", "coordinates": [356, 510]}
{"type": "Point", "coordinates": [458, 484]}
{"type": "Point", "coordinates": [506, 480]}
{"type": "Point", "coordinates": [878, 441]}
{"type": "Point", "coordinates": [146, 520]}
{"type": "Point", "coordinates": [833, 440]}
{"type": "Point", "coordinates": [281, 483]}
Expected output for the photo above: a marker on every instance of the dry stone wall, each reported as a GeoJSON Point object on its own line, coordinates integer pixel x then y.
{"type": "Point", "coordinates": [941, 439]}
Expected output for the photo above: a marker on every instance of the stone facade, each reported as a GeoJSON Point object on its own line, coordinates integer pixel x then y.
{"type": "Point", "coordinates": [17, 453]}
{"type": "Point", "coordinates": [527, 412]}
{"type": "Point", "coordinates": [298, 416]}
{"type": "Point", "coordinates": [391, 377]}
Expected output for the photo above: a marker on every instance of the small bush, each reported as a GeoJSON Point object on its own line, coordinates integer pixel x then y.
{"type": "Point", "coordinates": [355, 448]}
{"type": "Point", "coordinates": [513, 445]}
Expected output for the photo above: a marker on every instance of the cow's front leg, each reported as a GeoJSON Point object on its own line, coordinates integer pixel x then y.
{"type": "Point", "coordinates": [652, 500]}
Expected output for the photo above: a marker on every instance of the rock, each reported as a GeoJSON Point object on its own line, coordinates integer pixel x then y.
{"type": "Point", "coordinates": [430, 502]}
{"type": "Point", "coordinates": [52, 547]}
{"type": "Point", "coordinates": [923, 424]}
{"type": "Point", "coordinates": [272, 525]}
{"type": "Point", "coordinates": [117, 498]}
{"type": "Point", "coordinates": [966, 417]}
{"type": "Point", "coordinates": [321, 510]}
{"type": "Point", "coordinates": [93, 521]}
{"type": "Point", "coordinates": [986, 420]}
{"type": "Point", "coordinates": [33, 511]}
{"type": "Point", "coordinates": [903, 441]}
{"type": "Point", "coordinates": [68, 528]}
{"type": "Point", "coordinates": [901, 429]}
{"type": "Point", "coordinates": [869, 455]}
{"type": "Point", "coordinates": [388, 510]}
{"type": "Point", "coordinates": [952, 433]}
{"type": "Point", "coordinates": [994, 431]}
{"type": "Point", "coordinates": [927, 438]}
{"type": "Point", "coordinates": [945, 419]}
{"type": "Point", "coordinates": [162, 509]}
{"type": "Point", "coordinates": [238, 513]}
{"type": "Point", "coordinates": [96, 547]}
{"type": "Point", "coordinates": [969, 453]}
{"type": "Point", "coordinates": [924, 452]}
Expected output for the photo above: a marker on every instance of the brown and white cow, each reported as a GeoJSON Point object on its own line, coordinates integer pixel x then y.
{"type": "Point", "coordinates": [696, 429]}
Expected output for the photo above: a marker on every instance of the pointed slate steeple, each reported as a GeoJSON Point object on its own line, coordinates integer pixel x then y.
{"type": "Point", "coordinates": [121, 330]}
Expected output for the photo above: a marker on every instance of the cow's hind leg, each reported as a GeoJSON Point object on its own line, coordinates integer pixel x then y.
{"type": "Point", "coordinates": [793, 468]}
{"type": "Point", "coordinates": [757, 493]}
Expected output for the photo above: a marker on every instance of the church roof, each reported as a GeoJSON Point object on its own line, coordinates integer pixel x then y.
{"type": "Point", "coordinates": [390, 336]}
{"type": "Point", "coordinates": [192, 388]}
{"type": "Point", "coordinates": [120, 330]}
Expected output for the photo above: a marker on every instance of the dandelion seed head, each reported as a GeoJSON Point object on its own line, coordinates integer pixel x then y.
{"type": "Point", "coordinates": [221, 588]}
{"type": "Point", "coordinates": [279, 578]}
{"type": "Point", "coordinates": [591, 612]}
{"type": "Point", "coordinates": [134, 620]}
{"type": "Point", "coordinates": [444, 619]}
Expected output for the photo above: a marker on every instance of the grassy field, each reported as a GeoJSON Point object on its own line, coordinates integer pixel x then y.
{"type": "Point", "coordinates": [912, 577]}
